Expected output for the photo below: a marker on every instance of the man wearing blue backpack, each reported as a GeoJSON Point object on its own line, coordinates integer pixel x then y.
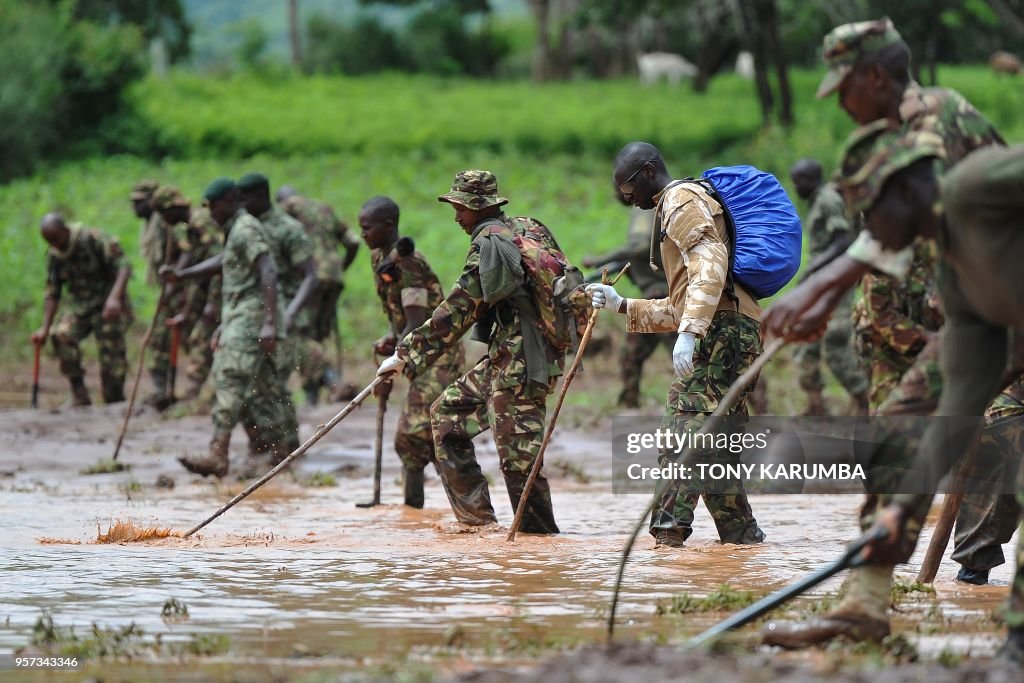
{"type": "Point", "coordinates": [717, 322]}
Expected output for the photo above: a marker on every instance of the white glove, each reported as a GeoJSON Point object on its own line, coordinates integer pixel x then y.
{"type": "Point", "coordinates": [682, 354]}
{"type": "Point", "coordinates": [391, 366]}
{"type": "Point", "coordinates": [604, 296]}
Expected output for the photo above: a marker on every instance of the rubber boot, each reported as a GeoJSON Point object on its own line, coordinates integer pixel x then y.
{"type": "Point", "coordinates": [312, 392]}
{"type": "Point", "coordinates": [861, 615]}
{"type": "Point", "coordinates": [538, 517]}
{"type": "Point", "coordinates": [113, 388]}
{"type": "Point", "coordinates": [79, 394]}
{"type": "Point", "coordinates": [414, 488]}
{"type": "Point", "coordinates": [815, 404]}
{"type": "Point", "coordinates": [159, 399]}
{"type": "Point", "coordinates": [629, 398]}
{"type": "Point", "coordinates": [215, 462]}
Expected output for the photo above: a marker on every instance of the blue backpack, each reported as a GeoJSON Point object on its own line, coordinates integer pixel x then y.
{"type": "Point", "coordinates": [763, 226]}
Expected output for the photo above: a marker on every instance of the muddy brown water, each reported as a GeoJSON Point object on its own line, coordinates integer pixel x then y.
{"type": "Point", "coordinates": [301, 570]}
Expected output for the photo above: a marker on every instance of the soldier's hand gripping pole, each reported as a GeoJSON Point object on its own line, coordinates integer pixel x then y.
{"type": "Point", "coordinates": [165, 290]}
{"type": "Point", "coordinates": [851, 557]}
{"type": "Point", "coordinates": [319, 434]}
{"type": "Point", "coordinates": [35, 375]}
{"type": "Point", "coordinates": [537, 463]}
{"type": "Point", "coordinates": [724, 406]}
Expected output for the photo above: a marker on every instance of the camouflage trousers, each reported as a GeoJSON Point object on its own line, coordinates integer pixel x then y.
{"type": "Point", "coordinates": [67, 337]}
{"type": "Point", "coordinates": [200, 355]}
{"type": "Point", "coordinates": [160, 344]}
{"type": "Point", "coordinates": [987, 520]}
{"type": "Point", "coordinates": [891, 449]}
{"type": "Point", "coordinates": [321, 322]}
{"type": "Point", "coordinates": [731, 344]}
{"type": "Point", "coordinates": [637, 349]}
{"type": "Point", "coordinates": [251, 390]}
{"type": "Point", "coordinates": [414, 439]}
{"type": "Point", "coordinates": [836, 347]}
{"type": "Point", "coordinates": [515, 415]}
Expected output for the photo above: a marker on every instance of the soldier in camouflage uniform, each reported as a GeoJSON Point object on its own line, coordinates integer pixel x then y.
{"type": "Point", "coordinates": [988, 519]}
{"type": "Point", "coordinates": [142, 205]}
{"type": "Point", "coordinates": [246, 369]}
{"type": "Point", "coordinates": [830, 233]}
{"type": "Point", "coordinates": [408, 290]}
{"type": "Point", "coordinates": [292, 250]}
{"type": "Point", "coordinates": [327, 232]}
{"type": "Point", "coordinates": [979, 235]}
{"type": "Point", "coordinates": [716, 322]}
{"type": "Point", "coordinates": [894, 320]}
{"type": "Point", "coordinates": [507, 390]}
{"type": "Point", "coordinates": [94, 268]}
{"type": "Point", "coordinates": [869, 67]}
{"type": "Point", "coordinates": [199, 236]}
{"type": "Point", "coordinates": [638, 347]}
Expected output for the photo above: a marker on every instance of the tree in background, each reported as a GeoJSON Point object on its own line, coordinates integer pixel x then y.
{"type": "Point", "coordinates": [162, 20]}
{"type": "Point", "coordinates": [62, 78]}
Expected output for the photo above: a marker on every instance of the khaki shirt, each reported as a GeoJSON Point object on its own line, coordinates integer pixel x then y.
{"type": "Point", "coordinates": [695, 253]}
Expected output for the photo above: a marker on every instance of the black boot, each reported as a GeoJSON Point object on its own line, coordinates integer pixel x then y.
{"type": "Point", "coordinates": [978, 577]}
{"type": "Point", "coordinates": [414, 488]}
{"type": "Point", "coordinates": [538, 517]}
{"type": "Point", "coordinates": [79, 394]}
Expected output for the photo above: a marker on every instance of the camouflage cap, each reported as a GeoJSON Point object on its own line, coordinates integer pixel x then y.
{"type": "Point", "coordinates": [167, 196]}
{"type": "Point", "coordinates": [474, 189]}
{"type": "Point", "coordinates": [218, 189]}
{"type": "Point", "coordinates": [876, 152]}
{"type": "Point", "coordinates": [144, 189]}
{"type": "Point", "coordinates": [845, 44]}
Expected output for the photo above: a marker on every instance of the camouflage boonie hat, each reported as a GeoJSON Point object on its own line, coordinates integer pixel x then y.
{"type": "Point", "coordinates": [144, 189]}
{"type": "Point", "coordinates": [474, 189]}
{"type": "Point", "coordinates": [167, 196]}
{"type": "Point", "coordinates": [876, 152]}
{"type": "Point", "coordinates": [845, 44]}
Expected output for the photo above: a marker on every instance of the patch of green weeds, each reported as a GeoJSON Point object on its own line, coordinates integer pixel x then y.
{"type": "Point", "coordinates": [106, 466]}
{"type": "Point", "coordinates": [725, 598]}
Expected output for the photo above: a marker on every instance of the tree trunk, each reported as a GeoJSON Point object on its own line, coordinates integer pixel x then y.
{"type": "Point", "coordinates": [293, 33]}
{"type": "Point", "coordinates": [542, 53]}
{"type": "Point", "coordinates": [769, 23]}
{"type": "Point", "coordinates": [753, 36]}
{"type": "Point", "coordinates": [716, 42]}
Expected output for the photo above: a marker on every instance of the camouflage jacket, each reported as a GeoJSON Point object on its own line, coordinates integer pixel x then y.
{"type": "Point", "coordinates": [243, 307]}
{"type": "Point", "coordinates": [636, 251]}
{"type": "Point", "coordinates": [465, 306]}
{"type": "Point", "coordinates": [153, 245]}
{"type": "Point", "coordinates": [826, 219]}
{"type": "Point", "coordinates": [290, 246]}
{"type": "Point", "coordinates": [963, 130]}
{"type": "Point", "coordinates": [327, 232]}
{"type": "Point", "coordinates": [206, 240]}
{"type": "Point", "coordinates": [408, 281]}
{"type": "Point", "coordinates": [696, 257]}
{"type": "Point", "coordinates": [895, 316]}
{"type": "Point", "coordinates": [88, 266]}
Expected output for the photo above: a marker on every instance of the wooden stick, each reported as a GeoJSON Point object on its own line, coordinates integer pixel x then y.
{"type": "Point", "coordinates": [160, 302]}
{"type": "Point", "coordinates": [319, 434]}
{"type": "Point", "coordinates": [535, 470]}
{"type": "Point", "coordinates": [724, 406]}
{"type": "Point", "coordinates": [378, 454]}
{"type": "Point", "coordinates": [35, 376]}
{"type": "Point", "coordinates": [940, 537]}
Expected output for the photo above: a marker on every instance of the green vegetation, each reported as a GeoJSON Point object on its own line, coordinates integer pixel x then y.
{"type": "Point", "coordinates": [725, 598]}
{"type": "Point", "coordinates": [321, 479]}
{"type": "Point", "coordinates": [122, 642]}
{"type": "Point", "coordinates": [106, 466]}
{"type": "Point", "coordinates": [345, 139]}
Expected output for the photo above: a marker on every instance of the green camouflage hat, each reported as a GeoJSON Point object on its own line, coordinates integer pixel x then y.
{"type": "Point", "coordinates": [251, 181]}
{"type": "Point", "coordinates": [876, 152]}
{"type": "Point", "coordinates": [846, 44]}
{"type": "Point", "coordinates": [167, 196]}
{"type": "Point", "coordinates": [144, 189]}
{"type": "Point", "coordinates": [474, 189]}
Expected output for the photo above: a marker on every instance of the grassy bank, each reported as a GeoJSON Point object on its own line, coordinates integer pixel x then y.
{"type": "Point", "coordinates": [344, 139]}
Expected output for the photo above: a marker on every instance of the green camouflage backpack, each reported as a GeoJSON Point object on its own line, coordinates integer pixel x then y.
{"type": "Point", "coordinates": [554, 284]}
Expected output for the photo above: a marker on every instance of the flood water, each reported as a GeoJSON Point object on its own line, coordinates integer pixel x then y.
{"type": "Point", "coordinates": [301, 570]}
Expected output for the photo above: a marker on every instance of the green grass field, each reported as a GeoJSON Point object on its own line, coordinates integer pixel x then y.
{"type": "Point", "coordinates": [343, 140]}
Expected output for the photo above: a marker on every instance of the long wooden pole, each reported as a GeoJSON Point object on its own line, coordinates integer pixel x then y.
{"type": "Point", "coordinates": [319, 434]}
{"type": "Point", "coordinates": [535, 470]}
